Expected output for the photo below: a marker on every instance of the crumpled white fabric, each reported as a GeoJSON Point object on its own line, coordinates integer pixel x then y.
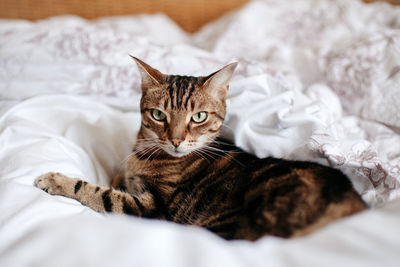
{"type": "Point", "coordinates": [86, 240]}
{"type": "Point", "coordinates": [317, 80]}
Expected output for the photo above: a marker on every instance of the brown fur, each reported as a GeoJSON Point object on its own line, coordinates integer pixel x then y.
{"type": "Point", "coordinates": [180, 171]}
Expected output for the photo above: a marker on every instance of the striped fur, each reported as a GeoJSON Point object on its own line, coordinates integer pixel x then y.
{"type": "Point", "coordinates": [205, 180]}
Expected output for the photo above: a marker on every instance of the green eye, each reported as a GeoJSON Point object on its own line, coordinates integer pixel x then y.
{"type": "Point", "coordinates": [158, 115]}
{"type": "Point", "coordinates": [199, 117]}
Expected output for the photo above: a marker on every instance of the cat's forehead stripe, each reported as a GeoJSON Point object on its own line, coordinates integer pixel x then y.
{"type": "Point", "coordinates": [180, 89]}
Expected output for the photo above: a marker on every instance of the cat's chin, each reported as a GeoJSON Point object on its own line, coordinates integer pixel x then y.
{"type": "Point", "coordinates": [178, 154]}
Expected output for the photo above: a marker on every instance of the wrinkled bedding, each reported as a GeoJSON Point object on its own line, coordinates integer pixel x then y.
{"type": "Point", "coordinates": [317, 80]}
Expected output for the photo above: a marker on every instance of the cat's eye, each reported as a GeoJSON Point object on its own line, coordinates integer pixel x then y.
{"type": "Point", "coordinates": [199, 117]}
{"type": "Point", "coordinates": [158, 115]}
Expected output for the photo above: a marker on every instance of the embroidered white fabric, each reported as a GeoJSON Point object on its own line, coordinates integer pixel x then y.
{"type": "Point", "coordinates": [317, 80]}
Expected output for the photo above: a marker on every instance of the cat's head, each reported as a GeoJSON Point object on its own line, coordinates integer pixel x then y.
{"type": "Point", "coordinates": [182, 114]}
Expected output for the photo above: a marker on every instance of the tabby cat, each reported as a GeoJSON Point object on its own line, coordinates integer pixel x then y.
{"type": "Point", "coordinates": [182, 172]}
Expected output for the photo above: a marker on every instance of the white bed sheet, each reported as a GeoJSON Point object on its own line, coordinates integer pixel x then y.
{"type": "Point", "coordinates": [69, 97]}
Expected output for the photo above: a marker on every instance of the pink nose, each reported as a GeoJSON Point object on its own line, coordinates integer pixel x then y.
{"type": "Point", "coordinates": [176, 142]}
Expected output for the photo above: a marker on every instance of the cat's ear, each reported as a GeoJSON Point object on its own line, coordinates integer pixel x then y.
{"type": "Point", "coordinates": [217, 83]}
{"type": "Point", "coordinates": [150, 76]}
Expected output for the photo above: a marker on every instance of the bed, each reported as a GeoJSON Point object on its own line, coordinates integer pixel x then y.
{"type": "Point", "coordinates": [317, 80]}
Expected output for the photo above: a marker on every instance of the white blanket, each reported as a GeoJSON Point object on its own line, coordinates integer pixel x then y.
{"type": "Point", "coordinates": [317, 80]}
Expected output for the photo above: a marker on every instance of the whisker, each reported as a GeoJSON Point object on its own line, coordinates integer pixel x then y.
{"type": "Point", "coordinates": [223, 151]}
{"type": "Point", "coordinates": [230, 128]}
{"type": "Point", "coordinates": [203, 154]}
{"type": "Point", "coordinates": [156, 150]}
{"type": "Point", "coordinates": [213, 141]}
{"type": "Point", "coordinates": [226, 154]}
{"type": "Point", "coordinates": [146, 151]}
{"type": "Point", "coordinates": [222, 143]}
{"type": "Point", "coordinates": [121, 165]}
{"type": "Point", "coordinates": [135, 151]}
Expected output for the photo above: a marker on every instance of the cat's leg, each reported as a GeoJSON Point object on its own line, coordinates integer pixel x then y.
{"type": "Point", "coordinates": [101, 199]}
{"type": "Point", "coordinates": [351, 204]}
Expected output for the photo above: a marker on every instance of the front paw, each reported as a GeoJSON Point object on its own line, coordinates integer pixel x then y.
{"type": "Point", "coordinates": [53, 183]}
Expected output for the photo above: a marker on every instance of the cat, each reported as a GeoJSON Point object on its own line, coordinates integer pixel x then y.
{"type": "Point", "coordinates": [181, 171]}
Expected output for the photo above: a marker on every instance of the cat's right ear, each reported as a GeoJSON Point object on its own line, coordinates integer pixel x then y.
{"type": "Point", "coordinates": [150, 76]}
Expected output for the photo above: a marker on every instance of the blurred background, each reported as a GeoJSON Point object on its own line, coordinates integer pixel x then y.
{"type": "Point", "coordinates": [189, 14]}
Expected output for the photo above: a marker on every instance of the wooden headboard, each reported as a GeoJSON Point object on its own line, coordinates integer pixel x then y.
{"type": "Point", "coordinates": [189, 14]}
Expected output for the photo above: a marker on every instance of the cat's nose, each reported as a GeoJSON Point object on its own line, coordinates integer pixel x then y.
{"type": "Point", "coordinates": [176, 142]}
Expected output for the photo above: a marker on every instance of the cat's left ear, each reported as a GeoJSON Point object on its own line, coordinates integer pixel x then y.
{"type": "Point", "coordinates": [217, 83]}
{"type": "Point", "coordinates": [150, 76]}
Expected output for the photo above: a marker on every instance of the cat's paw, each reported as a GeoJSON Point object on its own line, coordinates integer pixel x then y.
{"type": "Point", "coordinates": [53, 183]}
